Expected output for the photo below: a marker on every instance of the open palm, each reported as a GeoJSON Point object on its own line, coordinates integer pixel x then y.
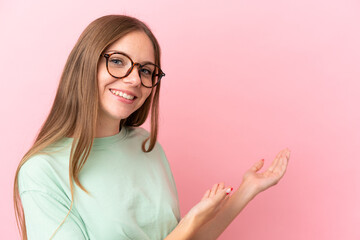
{"type": "Point", "coordinates": [264, 180]}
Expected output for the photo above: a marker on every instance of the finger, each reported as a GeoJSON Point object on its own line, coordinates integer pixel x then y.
{"type": "Point", "coordinates": [206, 195]}
{"type": "Point", "coordinates": [213, 190]}
{"type": "Point", "coordinates": [279, 164]}
{"type": "Point", "coordinates": [220, 195]}
{"type": "Point", "coordinates": [228, 190]}
{"type": "Point", "coordinates": [223, 195]}
{"type": "Point", "coordinates": [286, 162]}
{"type": "Point", "coordinates": [257, 166]}
{"type": "Point", "coordinates": [277, 158]}
{"type": "Point", "coordinates": [220, 187]}
{"type": "Point", "coordinates": [224, 201]}
{"type": "Point", "coordinates": [280, 167]}
{"type": "Point", "coordinates": [283, 167]}
{"type": "Point", "coordinates": [288, 154]}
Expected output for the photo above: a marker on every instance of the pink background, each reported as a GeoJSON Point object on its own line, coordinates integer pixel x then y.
{"type": "Point", "coordinates": [244, 79]}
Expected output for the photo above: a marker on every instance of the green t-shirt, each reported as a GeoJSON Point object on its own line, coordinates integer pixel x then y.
{"type": "Point", "coordinates": [133, 194]}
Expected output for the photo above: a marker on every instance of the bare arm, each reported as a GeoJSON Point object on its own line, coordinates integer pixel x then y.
{"type": "Point", "coordinates": [185, 230]}
{"type": "Point", "coordinates": [209, 206]}
{"type": "Point", "coordinates": [253, 183]}
{"type": "Point", "coordinates": [236, 203]}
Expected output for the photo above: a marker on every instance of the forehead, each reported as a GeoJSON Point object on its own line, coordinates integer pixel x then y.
{"type": "Point", "coordinates": [137, 45]}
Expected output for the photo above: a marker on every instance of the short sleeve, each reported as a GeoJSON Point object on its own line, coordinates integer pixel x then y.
{"type": "Point", "coordinates": [46, 204]}
{"type": "Point", "coordinates": [44, 214]}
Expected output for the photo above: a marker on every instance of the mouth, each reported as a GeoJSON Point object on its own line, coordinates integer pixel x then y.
{"type": "Point", "coordinates": [123, 94]}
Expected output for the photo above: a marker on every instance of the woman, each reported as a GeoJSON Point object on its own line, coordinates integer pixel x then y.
{"type": "Point", "coordinates": [110, 83]}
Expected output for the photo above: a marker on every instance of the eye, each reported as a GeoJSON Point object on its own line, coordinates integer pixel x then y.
{"type": "Point", "coordinates": [116, 61]}
{"type": "Point", "coordinates": [146, 72]}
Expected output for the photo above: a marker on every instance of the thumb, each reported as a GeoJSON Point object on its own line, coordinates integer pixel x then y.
{"type": "Point", "coordinates": [257, 166]}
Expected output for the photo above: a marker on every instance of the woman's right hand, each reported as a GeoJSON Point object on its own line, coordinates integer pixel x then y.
{"type": "Point", "coordinates": [201, 213]}
{"type": "Point", "coordinates": [209, 205]}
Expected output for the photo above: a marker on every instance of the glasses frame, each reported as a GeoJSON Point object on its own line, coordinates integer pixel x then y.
{"type": "Point", "coordinates": [133, 64]}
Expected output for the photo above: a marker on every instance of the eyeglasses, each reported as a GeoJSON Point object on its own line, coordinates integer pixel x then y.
{"type": "Point", "coordinates": [120, 65]}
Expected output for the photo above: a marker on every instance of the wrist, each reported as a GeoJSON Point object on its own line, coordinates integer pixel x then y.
{"type": "Point", "coordinates": [248, 190]}
{"type": "Point", "coordinates": [186, 228]}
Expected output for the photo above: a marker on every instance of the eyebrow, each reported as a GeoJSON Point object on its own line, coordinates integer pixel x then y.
{"type": "Point", "coordinates": [116, 51]}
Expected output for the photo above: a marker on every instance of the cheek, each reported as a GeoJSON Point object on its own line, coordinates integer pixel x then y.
{"type": "Point", "coordinates": [101, 76]}
{"type": "Point", "coordinates": [146, 93]}
{"type": "Point", "coordinates": [102, 80]}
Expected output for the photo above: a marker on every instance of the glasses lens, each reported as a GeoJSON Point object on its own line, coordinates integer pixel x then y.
{"type": "Point", "coordinates": [119, 65]}
{"type": "Point", "coordinates": [149, 74]}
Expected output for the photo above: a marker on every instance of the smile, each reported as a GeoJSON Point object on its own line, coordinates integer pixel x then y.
{"type": "Point", "coordinates": [121, 94]}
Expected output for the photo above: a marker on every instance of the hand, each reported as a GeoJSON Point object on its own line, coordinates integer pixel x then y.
{"type": "Point", "coordinates": [262, 181]}
{"type": "Point", "coordinates": [209, 205]}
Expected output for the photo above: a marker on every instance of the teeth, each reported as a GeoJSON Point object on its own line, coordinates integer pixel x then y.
{"type": "Point", "coordinates": [121, 94]}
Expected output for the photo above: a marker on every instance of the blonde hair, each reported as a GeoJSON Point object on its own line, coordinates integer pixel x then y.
{"type": "Point", "coordinates": [74, 110]}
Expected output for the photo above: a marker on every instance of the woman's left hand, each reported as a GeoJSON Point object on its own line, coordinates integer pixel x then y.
{"type": "Point", "coordinates": [262, 181]}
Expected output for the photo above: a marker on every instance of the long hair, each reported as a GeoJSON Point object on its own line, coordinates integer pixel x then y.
{"type": "Point", "coordinates": [75, 107]}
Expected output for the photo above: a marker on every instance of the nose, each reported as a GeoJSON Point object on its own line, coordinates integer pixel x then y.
{"type": "Point", "coordinates": [133, 77]}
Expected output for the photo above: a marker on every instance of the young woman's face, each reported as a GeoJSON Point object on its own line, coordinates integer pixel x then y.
{"type": "Point", "coordinates": [113, 106]}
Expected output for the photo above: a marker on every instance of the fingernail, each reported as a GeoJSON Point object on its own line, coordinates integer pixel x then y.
{"type": "Point", "coordinates": [228, 190]}
{"type": "Point", "coordinates": [262, 159]}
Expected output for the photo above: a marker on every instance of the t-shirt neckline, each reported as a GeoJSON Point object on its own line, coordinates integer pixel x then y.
{"type": "Point", "coordinates": [103, 141]}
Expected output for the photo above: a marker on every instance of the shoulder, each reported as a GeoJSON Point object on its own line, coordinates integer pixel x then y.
{"type": "Point", "coordinates": [137, 132]}
{"type": "Point", "coordinates": [141, 134]}
{"type": "Point", "coordinates": [37, 164]}
{"type": "Point", "coordinates": [37, 173]}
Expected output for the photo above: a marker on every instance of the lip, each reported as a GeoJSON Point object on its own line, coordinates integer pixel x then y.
{"type": "Point", "coordinates": [121, 99]}
{"type": "Point", "coordinates": [124, 91]}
